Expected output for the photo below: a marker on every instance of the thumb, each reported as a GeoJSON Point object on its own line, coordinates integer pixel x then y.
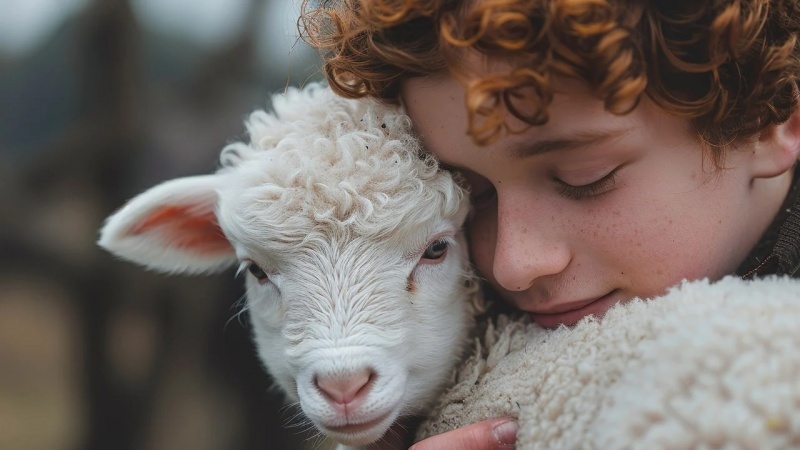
{"type": "Point", "coordinates": [494, 434]}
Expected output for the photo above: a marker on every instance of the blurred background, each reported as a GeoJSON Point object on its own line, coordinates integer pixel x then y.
{"type": "Point", "coordinates": [99, 100]}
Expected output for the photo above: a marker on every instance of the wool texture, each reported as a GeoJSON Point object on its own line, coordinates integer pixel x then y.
{"type": "Point", "coordinates": [706, 366]}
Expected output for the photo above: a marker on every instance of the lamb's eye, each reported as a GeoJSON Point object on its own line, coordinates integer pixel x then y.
{"type": "Point", "coordinates": [257, 272]}
{"type": "Point", "coordinates": [436, 250]}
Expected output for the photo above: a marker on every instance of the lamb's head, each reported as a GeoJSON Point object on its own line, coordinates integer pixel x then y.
{"type": "Point", "coordinates": [358, 283]}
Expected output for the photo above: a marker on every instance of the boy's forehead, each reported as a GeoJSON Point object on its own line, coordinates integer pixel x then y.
{"type": "Point", "coordinates": [576, 119]}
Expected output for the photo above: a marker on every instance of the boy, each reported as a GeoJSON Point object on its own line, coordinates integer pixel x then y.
{"type": "Point", "coordinates": [613, 147]}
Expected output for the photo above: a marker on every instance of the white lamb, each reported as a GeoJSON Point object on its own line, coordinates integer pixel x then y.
{"type": "Point", "coordinates": [358, 288]}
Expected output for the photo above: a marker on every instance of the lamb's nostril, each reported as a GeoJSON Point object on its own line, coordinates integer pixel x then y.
{"type": "Point", "coordinates": [345, 388]}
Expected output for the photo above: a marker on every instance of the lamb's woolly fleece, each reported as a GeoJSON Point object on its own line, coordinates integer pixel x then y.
{"type": "Point", "coordinates": [706, 366]}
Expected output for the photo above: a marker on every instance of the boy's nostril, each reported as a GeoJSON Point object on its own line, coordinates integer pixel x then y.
{"type": "Point", "coordinates": [345, 388]}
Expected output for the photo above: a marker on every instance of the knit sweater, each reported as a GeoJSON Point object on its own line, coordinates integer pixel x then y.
{"type": "Point", "coordinates": [778, 250]}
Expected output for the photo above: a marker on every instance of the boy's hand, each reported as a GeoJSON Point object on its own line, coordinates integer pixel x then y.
{"type": "Point", "coordinates": [494, 434]}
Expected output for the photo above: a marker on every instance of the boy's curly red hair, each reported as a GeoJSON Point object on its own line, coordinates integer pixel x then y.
{"type": "Point", "coordinates": [729, 66]}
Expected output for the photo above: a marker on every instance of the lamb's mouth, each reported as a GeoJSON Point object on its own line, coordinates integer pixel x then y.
{"type": "Point", "coordinates": [356, 428]}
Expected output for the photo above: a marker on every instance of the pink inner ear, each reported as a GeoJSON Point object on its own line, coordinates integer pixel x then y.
{"type": "Point", "coordinates": [186, 228]}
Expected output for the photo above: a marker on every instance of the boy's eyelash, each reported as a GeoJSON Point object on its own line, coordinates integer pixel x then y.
{"type": "Point", "coordinates": [590, 190]}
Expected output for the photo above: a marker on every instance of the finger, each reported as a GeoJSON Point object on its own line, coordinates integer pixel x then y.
{"type": "Point", "coordinates": [495, 434]}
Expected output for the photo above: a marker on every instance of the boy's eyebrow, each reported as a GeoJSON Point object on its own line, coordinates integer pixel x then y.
{"type": "Point", "coordinates": [581, 139]}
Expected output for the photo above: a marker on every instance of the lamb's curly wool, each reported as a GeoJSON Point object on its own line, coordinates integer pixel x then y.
{"type": "Point", "coordinates": [350, 167]}
{"type": "Point", "coordinates": [708, 365]}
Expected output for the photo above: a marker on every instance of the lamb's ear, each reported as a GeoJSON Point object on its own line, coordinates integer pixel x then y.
{"type": "Point", "coordinates": [171, 228]}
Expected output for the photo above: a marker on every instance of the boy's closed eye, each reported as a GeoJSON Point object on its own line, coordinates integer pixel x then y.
{"type": "Point", "coordinates": [589, 190]}
{"type": "Point", "coordinates": [483, 193]}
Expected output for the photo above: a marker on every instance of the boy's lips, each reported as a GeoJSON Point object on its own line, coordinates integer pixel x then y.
{"type": "Point", "coordinates": [572, 312]}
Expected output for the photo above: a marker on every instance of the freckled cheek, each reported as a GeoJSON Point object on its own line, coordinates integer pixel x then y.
{"type": "Point", "coordinates": [659, 254]}
{"type": "Point", "coordinates": [689, 256]}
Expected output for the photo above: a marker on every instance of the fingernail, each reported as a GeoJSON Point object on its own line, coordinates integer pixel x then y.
{"type": "Point", "coordinates": [506, 433]}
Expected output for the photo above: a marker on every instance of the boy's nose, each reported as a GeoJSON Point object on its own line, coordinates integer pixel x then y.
{"type": "Point", "coordinates": [527, 249]}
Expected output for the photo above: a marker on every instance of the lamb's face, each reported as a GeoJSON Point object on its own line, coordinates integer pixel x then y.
{"type": "Point", "coordinates": [359, 287]}
{"type": "Point", "coordinates": [361, 329]}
